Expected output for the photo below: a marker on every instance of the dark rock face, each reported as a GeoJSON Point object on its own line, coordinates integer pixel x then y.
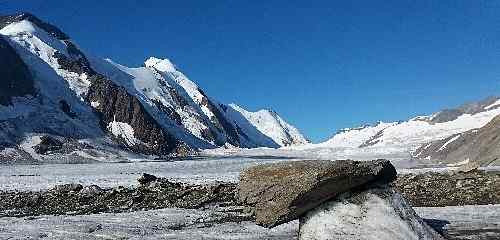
{"type": "Point", "coordinates": [78, 65]}
{"type": "Point", "coordinates": [450, 189]}
{"type": "Point", "coordinates": [15, 76]}
{"type": "Point", "coordinates": [171, 113]}
{"type": "Point", "coordinates": [220, 121]}
{"type": "Point", "coordinates": [48, 144]}
{"type": "Point", "coordinates": [282, 192]}
{"type": "Point", "coordinates": [51, 29]}
{"type": "Point", "coordinates": [481, 146]}
{"type": "Point", "coordinates": [66, 108]}
{"type": "Point", "coordinates": [116, 104]}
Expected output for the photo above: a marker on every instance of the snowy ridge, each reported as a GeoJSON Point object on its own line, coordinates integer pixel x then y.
{"type": "Point", "coordinates": [270, 124]}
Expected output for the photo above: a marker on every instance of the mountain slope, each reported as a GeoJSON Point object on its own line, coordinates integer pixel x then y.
{"type": "Point", "coordinates": [264, 121]}
{"type": "Point", "coordinates": [481, 146]}
{"type": "Point", "coordinates": [53, 88]}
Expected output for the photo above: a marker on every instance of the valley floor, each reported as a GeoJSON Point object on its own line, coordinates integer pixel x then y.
{"type": "Point", "coordinates": [461, 222]}
{"type": "Point", "coordinates": [226, 169]}
{"type": "Point", "coordinates": [464, 222]}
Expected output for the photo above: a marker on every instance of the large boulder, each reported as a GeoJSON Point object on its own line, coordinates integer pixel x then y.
{"type": "Point", "coordinates": [47, 144]}
{"type": "Point", "coordinates": [378, 212]}
{"type": "Point", "coordinates": [282, 192]}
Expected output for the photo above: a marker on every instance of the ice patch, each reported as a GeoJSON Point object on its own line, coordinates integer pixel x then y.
{"type": "Point", "coordinates": [496, 103]}
{"type": "Point", "coordinates": [373, 214]}
{"type": "Point", "coordinates": [123, 130]}
{"type": "Point", "coordinates": [95, 104]}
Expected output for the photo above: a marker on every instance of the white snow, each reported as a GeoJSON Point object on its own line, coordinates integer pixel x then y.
{"type": "Point", "coordinates": [162, 65]}
{"type": "Point", "coordinates": [269, 124]}
{"type": "Point", "coordinates": [356, 136]}
{"type": "Point", "coordinates": [95, 104]}
{"type": "Point", "coordinates": [496, 103]}
{"type": "Point", "coordinates": [448, 142]}
{"type": "Point", "coordinates": [124, 131]}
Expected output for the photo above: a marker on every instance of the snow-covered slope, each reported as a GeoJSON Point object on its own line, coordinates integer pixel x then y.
{"type": "Point", "coordinates": [405, 137]}
{"type": "Point", "coordinates": [154, 109]}
{"type": "Point", "coordinates": [269, 126]}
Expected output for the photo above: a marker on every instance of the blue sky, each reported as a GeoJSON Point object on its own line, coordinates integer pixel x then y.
{"type": "Point", "coordinates": [322, 65]}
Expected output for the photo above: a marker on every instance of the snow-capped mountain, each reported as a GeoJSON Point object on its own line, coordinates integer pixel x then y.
{"type": "Point", "coordinates": [51, 87]}
{"type": "Point", "coordinates": [402, 138]}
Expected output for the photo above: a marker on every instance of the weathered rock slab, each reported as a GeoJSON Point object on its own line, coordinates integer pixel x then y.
{"type": "Point", "coordinates": [283, 191]}
{"type": "Point", "coordinates": [376, 213]}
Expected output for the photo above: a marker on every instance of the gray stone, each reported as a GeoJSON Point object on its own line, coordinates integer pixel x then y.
{"type": "Point", "coordinates": [70, 187]}
{"type": "Point", "coordinates": [283, 191]}
{"type": "Point", "coordinates": [91, 190]}
{"type": "Point", "coordinates": [146, 178]}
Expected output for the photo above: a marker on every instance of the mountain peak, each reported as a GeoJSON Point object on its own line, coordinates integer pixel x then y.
{"type": "Point", "coordinates": [162, 65]}
{"type": "Point", "coordinates": [49, 28]}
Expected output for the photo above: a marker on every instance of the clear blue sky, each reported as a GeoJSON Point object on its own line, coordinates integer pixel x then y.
{"type": "Point", "coordinates": [322, 65]}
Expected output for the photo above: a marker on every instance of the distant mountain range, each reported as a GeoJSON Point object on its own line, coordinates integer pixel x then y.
{"type": "Point", "coordinates": [82, 108]}
{"type": "Point", "coordinates": [455, 136]}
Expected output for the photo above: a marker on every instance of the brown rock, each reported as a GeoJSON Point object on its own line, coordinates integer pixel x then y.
{"type": "Point", "coordinates": [283, 191]}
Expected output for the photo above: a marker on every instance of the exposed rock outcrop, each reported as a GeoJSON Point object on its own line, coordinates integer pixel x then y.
{"type": "Point", "coordinates": [282, 192]}
{"type": "Point", "coordinates": [48, 144]}
{"type": "Point", "coordinates": [117, 105]}
{"type": "Point", "coordinates": [15, 76]}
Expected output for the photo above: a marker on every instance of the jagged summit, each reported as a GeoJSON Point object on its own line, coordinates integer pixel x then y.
{"type": "Point", "coordinates": [162, 65]}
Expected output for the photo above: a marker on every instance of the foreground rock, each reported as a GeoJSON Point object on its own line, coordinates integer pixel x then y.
{"type": "Point", "coordinates": [376, 213]}
{"type": "Point", "coordinates": [421, 190]}
{"type": "Point", "coordinates": [282, 192]}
